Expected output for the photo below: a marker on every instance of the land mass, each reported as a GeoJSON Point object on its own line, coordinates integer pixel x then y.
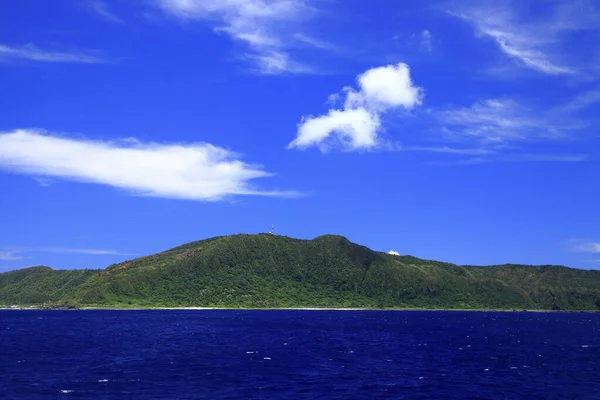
{"type": "Point", "coordinates": [267, 271]}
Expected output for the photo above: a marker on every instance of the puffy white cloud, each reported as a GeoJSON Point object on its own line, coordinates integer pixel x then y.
{"type": "Point", "coordinates": [197, 171]}
{"type": "Point", "coordinates": [32, 53]}
{"type": "Point", "coordinates": [358, 124]}
{"type": "Point", "coordinates": [382, 88]}
{"type": "Point", "coordinates": [353, 129]}
{"type": "Point", "coordinates": [265, 26]}
{"type": "Point", "coordinates": [394, 253]}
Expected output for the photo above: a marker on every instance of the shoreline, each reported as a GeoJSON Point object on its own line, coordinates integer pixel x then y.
{"type": "Point", "coordinates": [92, 308]}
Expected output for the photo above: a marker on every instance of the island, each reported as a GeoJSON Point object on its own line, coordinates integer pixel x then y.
{"type": "Point", "coordinates": [265, 271]}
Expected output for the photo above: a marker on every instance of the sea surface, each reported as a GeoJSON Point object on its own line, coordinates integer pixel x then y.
{"type": "Point", "coordinates": [220, 354]}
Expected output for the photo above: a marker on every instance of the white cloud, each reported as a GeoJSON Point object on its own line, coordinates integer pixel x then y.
{"type": "Point", "coordinates": [580, 102]}
{"type": "Point", "coordinates": [450, 150]}
{"type": "Point", "coordinates": [267, 27]}
{"type": "Point", "coordinates": [585, 246]}
{"type": "Point", "coordinates": [9, 255]}
{"type": "Point", "coordinates": [353, 129]}
{"type": "Point", "coordinates": [394, 253]}
{"type": "Point", "coordinates": [498, 120]}
{"type": "Point", "coordinates": [17, 254]}
{"type": "Point", "coordinates": [383, 88]}
{"type": "Point", "coordinates": [196, 171]}
{"type": "Point", "coordinates": [504, 130]}
{"type": "Point", "coordinates": [44, 182]}
{"type": "Point", "coordinates": [95, 252]}
{"type": "Point", "coordinates": [523, 157]}
{"type": "Point", "coordinates": [276, 62]}
{"type": "Point", "coordinates": [426, 41]}
{"type": "Point", "coordinates": [357, 125]}
{"type": "Point", "coordinates": [537, 41]}
{"type": "Point", "coordinates": [319, 44]}
{"type": "Point", "coordinates": [31, 52]}
{"type": "Point", "coordinates": [100, 8]}
{"type": "Point", "coordinates": [498, 156]}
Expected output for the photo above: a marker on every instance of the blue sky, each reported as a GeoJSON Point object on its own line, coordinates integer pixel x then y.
{"type": "Point", "coordinates": [462, 131]}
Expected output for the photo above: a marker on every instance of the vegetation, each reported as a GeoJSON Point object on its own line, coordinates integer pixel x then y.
{"type": "Point", "coordinates": [265, 271]}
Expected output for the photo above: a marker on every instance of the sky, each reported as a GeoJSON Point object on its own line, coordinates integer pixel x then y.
{"type": "Point", "coordinates": [460, 131]}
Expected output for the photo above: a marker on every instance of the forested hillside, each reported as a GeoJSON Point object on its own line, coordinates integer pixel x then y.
{"type": "Point", "coordinates": [265, 271]}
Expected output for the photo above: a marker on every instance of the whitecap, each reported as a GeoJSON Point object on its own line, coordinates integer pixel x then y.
{"type": "Point", "coordinates": [585, 345]}
{"type": "Point", "coordinates": [66, 391]}
{"type": "Point", "coordinates": [250, 352]}
{"type": "Point", "coordinates": [266, 358]}
{"type": "Point", "coordinates": [102, 380]}
{"type": "Point", "coordinates": [486, 369]}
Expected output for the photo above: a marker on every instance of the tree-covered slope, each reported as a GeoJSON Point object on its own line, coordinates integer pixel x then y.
{"type": "Point", "coordinates": [36, 285]}
{"type": "Point", "coordinates": [276, 271]}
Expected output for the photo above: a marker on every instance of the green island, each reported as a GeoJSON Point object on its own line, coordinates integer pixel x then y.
{"type": "Point", "coordinates": [264, 271]}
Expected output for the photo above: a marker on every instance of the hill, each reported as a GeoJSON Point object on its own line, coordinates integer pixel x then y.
{"type": "Point", "coordinates": [265, 271]}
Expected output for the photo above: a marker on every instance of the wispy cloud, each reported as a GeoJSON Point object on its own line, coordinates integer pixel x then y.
{"type": "Point", "coordinates": [498, 121]}
{"type": "Point", "coordinates": [450, 150]}
{"type": "Point", "coordinates": [9, 255]}
{"type": "Point", "coordinates": [584, 246]}
{"type": "Point", "coordinates": [101, 9]}
{"type": "Point", "coordinates": [44, 182]}
{"type": "Point", "coordinates": [196, 171]}
{"type": "Point", "coordinates": [536, 41]}
{"type": "Point", "coordinates": [426, 43]}
{"type": "Point", "coordinates": [580, 102]}
{"type": "Point", "coordinates": [311, 41]}
{"type": "Point", "coordinates": [499, 156]}
{"type": "Point", "coordinates": [95, 252]}
{"type": "Point", "coordinates": [21, 252]}
{"type": "Point", "coordinates": [357, 125]}
{"type": "Point", "coordinates": [32, 53]}
{"type": "Point", "coordinates": [524, 157]}
{"type": "Point", "coordinates": [267, 27]}
{"type": "Point", "coordinates": [504, 129]}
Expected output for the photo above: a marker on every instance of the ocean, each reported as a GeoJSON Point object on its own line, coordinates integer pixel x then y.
{"type": "Point", "coordinates": [298, 354]}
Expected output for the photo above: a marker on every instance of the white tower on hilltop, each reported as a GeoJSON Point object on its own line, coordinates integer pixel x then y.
{"type": "Point", "coordinates": [272, 232]}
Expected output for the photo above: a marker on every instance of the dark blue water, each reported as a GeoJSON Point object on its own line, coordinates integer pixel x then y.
{"type": "Point", "coordinates": [298, 355]}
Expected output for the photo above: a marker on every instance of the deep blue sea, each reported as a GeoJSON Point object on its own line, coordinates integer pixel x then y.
{"type": "Point", "coordinates": [219, 354]}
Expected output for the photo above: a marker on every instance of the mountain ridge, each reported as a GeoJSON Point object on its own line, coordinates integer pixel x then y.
{"type": "Point", "coordinates": [269, 271]}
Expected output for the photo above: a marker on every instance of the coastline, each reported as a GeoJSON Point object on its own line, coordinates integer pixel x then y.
{"type": "Point", "coordinates": [336, 309]}
{"type": "Point", "coordinates": [93, 308]}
